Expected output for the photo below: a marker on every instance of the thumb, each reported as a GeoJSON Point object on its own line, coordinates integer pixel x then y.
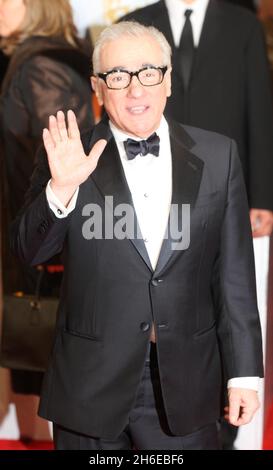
{"type": "Point", "coordinates": [97, 150]}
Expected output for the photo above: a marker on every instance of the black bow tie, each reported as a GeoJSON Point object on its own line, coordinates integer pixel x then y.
{"type": "Point", "coordinates": [142, 147]}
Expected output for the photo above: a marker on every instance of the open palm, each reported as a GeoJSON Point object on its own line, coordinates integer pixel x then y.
{"type": "Point", "coordinates": [68, 163]}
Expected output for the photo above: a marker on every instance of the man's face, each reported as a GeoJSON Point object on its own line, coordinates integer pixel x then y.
{"type": "Point", "coordinates": [136, 110]}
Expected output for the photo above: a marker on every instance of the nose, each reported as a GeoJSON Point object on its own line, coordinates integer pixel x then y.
{"type": "Point", "coordinates": [135, 88]}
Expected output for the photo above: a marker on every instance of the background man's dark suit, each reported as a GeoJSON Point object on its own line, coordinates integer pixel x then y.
{"type": "Point", "coordinates": [201, 300]}
{"type": "Point", "coordinates": [230, 90]}
{"type": "Point", "coordinates": [244, 3]}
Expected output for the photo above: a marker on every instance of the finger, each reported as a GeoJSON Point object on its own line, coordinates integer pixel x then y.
{"type": "Point", "coordinates": [263, 230]}
{"type": "Point", "coordinates": [73, 130]}
{"type": "Point", "coordinates": [255, 225]}
{"type": "Point", "coordinates": [53, 129]}
{"type": "Point", "coordinates": [62, 125]}
{"type": "Point", "coordinates": [261, 222]}
{"type": "Point", "coordinates": [234, 411]}
{"type": "Point", "coordinates": [48, 142]}
{"type": "Point", "coordinates": [246, 417]}
{"type": "Point", "coordinates": [97, 150]}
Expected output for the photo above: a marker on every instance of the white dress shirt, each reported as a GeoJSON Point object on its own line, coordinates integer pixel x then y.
{"type": "Point", "coordinates": [176, 10]}
{"type": "Point", "coordinates": [57, 206]}
{"type": "Point", "coordinates": [150, 182]}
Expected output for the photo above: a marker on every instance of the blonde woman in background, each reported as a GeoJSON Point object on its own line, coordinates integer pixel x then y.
{"type": "Point", "coordinates": [48, 71]}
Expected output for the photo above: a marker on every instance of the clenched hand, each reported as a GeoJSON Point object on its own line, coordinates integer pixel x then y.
{"type": "Point", "coordinates": [243, 404]}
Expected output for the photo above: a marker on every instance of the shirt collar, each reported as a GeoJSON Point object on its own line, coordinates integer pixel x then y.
{"type": "Point", "coordinates": [177, 8]}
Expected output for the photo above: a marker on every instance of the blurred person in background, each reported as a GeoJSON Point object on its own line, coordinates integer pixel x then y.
{"type": "Point", "coordinates": [48, 71]}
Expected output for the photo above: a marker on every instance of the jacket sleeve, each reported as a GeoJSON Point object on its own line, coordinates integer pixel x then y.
{"type": "Point", "coordinates": [260, 121]}
{"type": "Point", "coordinates": [238, 329]}
{"type": "Point", "coordinates": [36, 233]}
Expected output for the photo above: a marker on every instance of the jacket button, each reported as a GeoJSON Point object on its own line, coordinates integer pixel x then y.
{"type": "Point", "coordinates": [155, 282]}
{"type": "Point", "coordinates": [144, 326]}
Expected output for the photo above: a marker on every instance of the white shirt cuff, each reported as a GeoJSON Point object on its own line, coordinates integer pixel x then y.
{"type": "Point", "coordinates": [252, 383]}
{"type": "Point", "coordinates": [56, 206]}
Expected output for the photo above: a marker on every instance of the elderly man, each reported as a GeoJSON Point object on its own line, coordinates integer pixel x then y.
{"type": "Point", "coordinates": [154, 323]}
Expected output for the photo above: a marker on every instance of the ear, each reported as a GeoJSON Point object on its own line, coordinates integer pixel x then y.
{"type": "Point", "coordinates": [169, 81]}
{"type": "Point", "coordinates": [97, 89]}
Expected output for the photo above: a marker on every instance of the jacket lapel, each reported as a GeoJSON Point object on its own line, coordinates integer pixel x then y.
{"type": "Point", "coordinates": [110, 180]}
{"type": "Point", "coordinates": [187, 171]}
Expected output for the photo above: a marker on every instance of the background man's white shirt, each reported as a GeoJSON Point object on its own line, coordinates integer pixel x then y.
{"type": "Point", "coordinates": [176, 10]}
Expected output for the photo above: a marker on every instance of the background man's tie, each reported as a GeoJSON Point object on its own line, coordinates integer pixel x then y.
{"type": "Point", "coordinates": [186, 50]}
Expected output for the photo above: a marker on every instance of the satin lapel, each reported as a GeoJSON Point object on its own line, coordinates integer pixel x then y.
{"type": "Point", "coordinates": [110, 180]}
{"type": "Point", "coordinates": [187, 171]}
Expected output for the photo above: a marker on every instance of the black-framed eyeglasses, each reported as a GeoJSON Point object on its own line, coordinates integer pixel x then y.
{"type": "Point", "coordinates": [117, 79]}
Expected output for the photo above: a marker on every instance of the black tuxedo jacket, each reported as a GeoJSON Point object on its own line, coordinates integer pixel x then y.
{"type": "Point", "coordinates": [230, 89]}
{"type": "Point", "coordinates": [202, 300]}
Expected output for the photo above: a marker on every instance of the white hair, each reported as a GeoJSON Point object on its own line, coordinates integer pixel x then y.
{"type": "Point", "coordinates": [134, 30]}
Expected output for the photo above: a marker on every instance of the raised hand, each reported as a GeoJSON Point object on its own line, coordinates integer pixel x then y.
{"type": "Point", "coordinates": [68, 163]}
